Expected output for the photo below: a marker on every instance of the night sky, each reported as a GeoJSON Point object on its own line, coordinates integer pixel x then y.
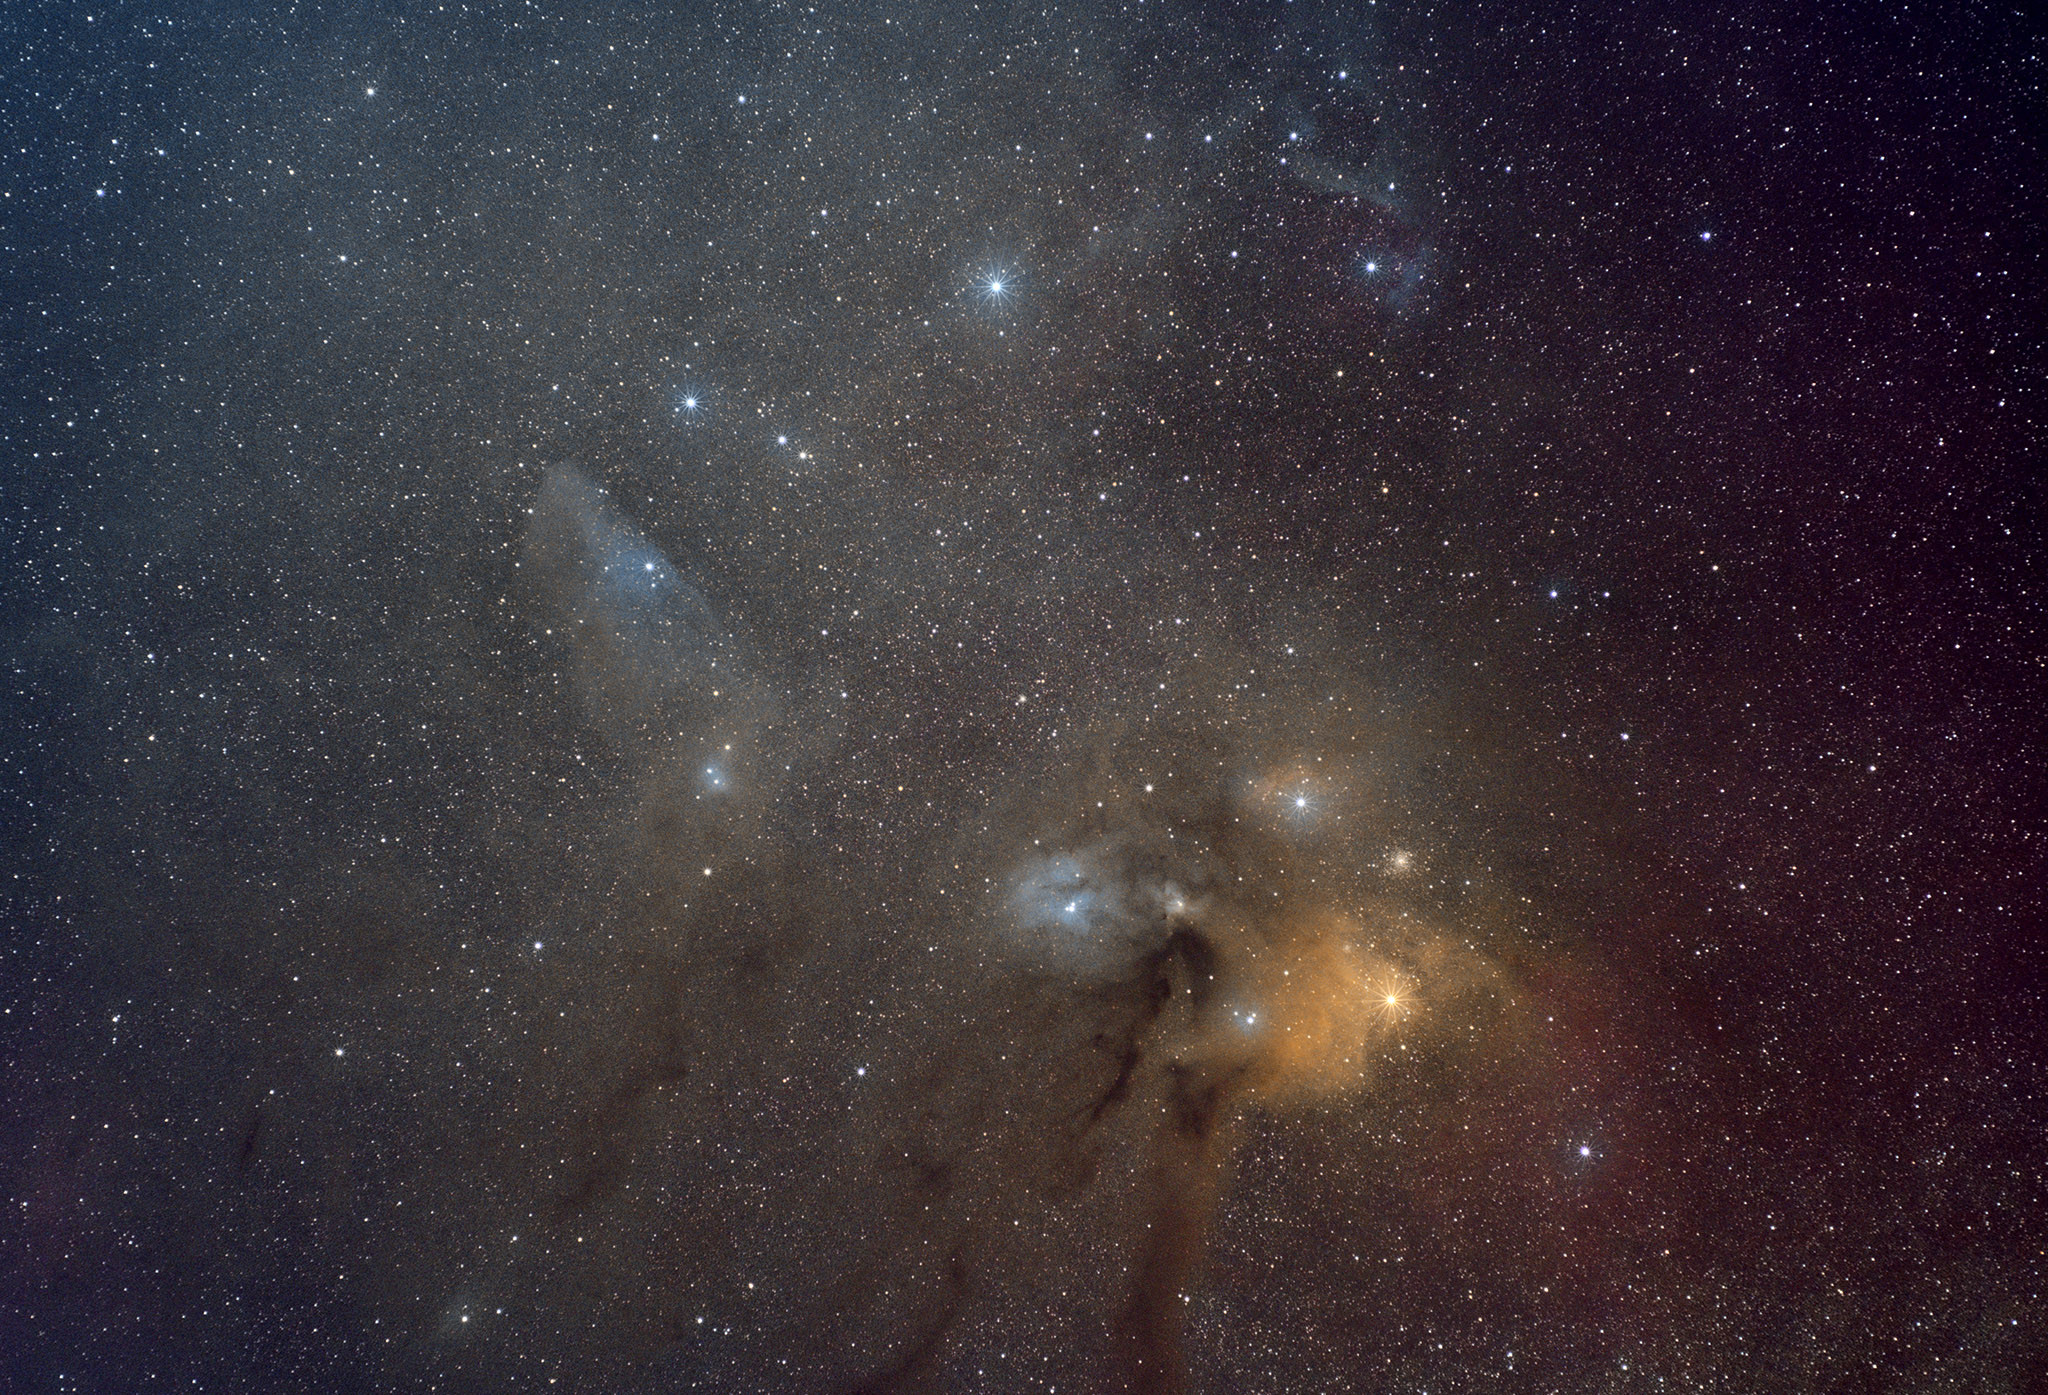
{"type": "Point", "coordinates": [1154, 697]}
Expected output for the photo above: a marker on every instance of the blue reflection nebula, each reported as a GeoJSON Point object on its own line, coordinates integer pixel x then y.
{"type": "Point", "coordinates": [1059, 893]}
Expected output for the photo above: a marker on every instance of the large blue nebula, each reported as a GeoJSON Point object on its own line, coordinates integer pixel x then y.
{"type": "Point", "coordinates": [1062, 893]}
{"type": "Point", "coordinates": [648, 631]}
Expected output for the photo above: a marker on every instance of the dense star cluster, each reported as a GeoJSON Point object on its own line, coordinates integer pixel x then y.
{"type": "Point", "coordinates": [1172, 697]}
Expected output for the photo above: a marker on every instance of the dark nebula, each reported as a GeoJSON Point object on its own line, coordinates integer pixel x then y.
{"type": "Point", "coordinates": [1167, 699]}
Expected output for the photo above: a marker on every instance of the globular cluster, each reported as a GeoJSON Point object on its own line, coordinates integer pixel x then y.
{"type": "Point", "coordinates": [1177, 697]}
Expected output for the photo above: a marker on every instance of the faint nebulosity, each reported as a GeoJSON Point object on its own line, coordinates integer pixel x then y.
{"type": "Point", "coordinates": [1167, 698]}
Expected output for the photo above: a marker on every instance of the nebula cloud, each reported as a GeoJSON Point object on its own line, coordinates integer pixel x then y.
{"type": "Point", "coordinates": [1166, 697]}
{"type": "Point", "coordinates": [1130, 979]}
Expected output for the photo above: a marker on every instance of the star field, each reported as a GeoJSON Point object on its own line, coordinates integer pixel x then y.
{"type": "Point", "coordinates": [1165, 697]}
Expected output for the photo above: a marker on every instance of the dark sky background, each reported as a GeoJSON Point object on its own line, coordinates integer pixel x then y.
{"type": "Point", "coordinates": [1165, 697]}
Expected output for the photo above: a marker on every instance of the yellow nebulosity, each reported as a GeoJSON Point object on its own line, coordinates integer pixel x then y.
{"type": "Point", "coordinates": [1334, 1004]}
{"type": "Point", "coordinates": [1328, 1008]}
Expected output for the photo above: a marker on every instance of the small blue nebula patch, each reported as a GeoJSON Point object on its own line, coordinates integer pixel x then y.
{"type": "Point", "coordinates": [1061, 893]}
